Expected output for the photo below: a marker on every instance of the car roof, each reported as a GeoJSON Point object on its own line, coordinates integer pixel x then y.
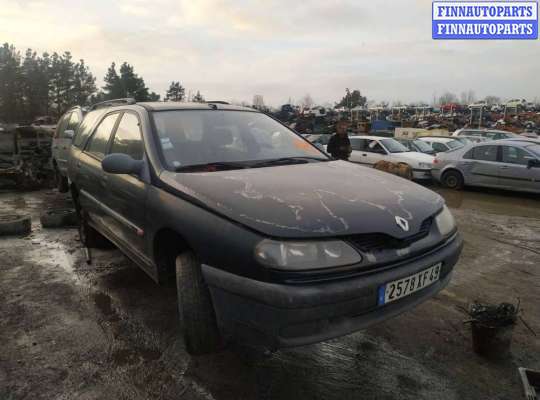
{"type": "Point", "coordinates": [438, 139]}
{"type": "Point", "coordinates": [176, 105]}
{"type": "Point", "coordinates": [369, 137]}
{"type": "Point", "coordinates": [515, 142]}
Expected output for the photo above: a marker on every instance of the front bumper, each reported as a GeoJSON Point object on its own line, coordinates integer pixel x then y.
{"type": "Point", "coordinates": [421, 174]}
{"type": "Point", "coordinates": [286, 315]}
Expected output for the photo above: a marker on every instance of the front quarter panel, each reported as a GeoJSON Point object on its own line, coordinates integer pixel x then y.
{"type": "Point", "coordinates": [217, 241]}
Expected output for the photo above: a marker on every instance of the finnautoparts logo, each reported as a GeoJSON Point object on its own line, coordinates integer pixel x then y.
{"type": "Point", "coordinates": [485, 20]}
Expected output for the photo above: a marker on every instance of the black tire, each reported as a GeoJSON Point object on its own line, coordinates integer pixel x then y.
{"type": "Point", "coordinates": [453, 180]}
{"type": "Point", "coordinates": [59, 218]}
{"type": "Point", "coordinates": [197, 316]}
{"type": "Point", "coordinates": [15, 224]}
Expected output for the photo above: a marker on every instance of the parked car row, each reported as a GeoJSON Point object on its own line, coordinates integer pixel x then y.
{"type": "Point", "coordinates": [223, 200]}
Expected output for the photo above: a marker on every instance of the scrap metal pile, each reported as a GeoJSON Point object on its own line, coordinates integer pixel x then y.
{"type": "Point", "coordinates": [25, 154]}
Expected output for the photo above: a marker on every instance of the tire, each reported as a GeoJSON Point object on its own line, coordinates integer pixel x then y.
{"type": "Point", "coordinates": [197, 316]}
{"type": "Point", "coordinates": [59, 218]}
{"type": "Point", "coordinates": [15, 224]}
{"type": "Point", "coordinates": [61, 182]}
{"type": "Point", "coordinates": [453, 180]}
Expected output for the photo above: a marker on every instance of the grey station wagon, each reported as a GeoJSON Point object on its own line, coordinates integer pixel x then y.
{"type": "Point", "coordinates": [512, 164]}
{"type": "Point", "coordinates": [270, 241]}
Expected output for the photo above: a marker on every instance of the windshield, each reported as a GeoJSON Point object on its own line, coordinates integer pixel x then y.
{"type": "Point", "coordinates": [423, 146]}
{"type": "Point", "coordinates": [200, 137]}
{"type": "Point", "coordinates": [393, 146]}
{"type": "Point", "coordinates": [454, 144]}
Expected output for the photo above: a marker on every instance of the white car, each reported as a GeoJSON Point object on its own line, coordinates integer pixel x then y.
{"type": "Point", "coordinates": [442, 144]}
{"type": "Point", "coordinates": [368, 150]}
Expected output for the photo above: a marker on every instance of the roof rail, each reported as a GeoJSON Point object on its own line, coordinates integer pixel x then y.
{"type": "Point", "coordinates": [112, 103]}
{"type": "Point", "coordinates": [216, 102]}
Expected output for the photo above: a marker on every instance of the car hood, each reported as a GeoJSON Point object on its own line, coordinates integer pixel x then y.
{"type": "Point", "coordinates": [310, 200]}
{"type": "Point", "coordinates": [414, 156]}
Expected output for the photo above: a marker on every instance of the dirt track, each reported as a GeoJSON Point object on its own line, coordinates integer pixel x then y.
{"type": "Point", "coordinates": [106, 331]}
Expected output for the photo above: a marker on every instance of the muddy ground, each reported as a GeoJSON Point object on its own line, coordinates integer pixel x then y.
{"type": "Point", "coordinates": [69, 330]}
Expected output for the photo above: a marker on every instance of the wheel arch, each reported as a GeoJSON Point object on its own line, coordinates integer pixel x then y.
{"type": "Point", "coordinates": [166, 244]}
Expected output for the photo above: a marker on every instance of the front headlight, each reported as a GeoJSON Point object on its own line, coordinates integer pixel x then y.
{"type": "Point", "coordinates": [425, 165]}
{"type": "Point", "coordinates": [299, 256]}
{"type": "Point", "coordinates": [445, 222]}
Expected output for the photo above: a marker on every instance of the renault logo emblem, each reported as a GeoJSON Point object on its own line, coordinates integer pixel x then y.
{"type": "Point", "coordinates": [402, 223]}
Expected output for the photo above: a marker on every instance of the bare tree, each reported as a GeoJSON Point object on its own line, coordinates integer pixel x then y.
{"type": "Point", "coordinates": [307, 101]}
{"type": "Point", "coordinates": [448, 97]}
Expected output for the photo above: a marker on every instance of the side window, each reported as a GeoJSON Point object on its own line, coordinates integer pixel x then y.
{"type": "Point", "coordinates": [485, 153]}
{"type": "Point", "coordinates": [127, 139]}
{"type": "Point", "coordinates": [469, 155]}
{"type": "Point", "coordinates": [514, 155]}
{"type": "Point", "coordinates": [439, 147]}
{"type": "Point", "coordinates": [357, 144]}
{"type": "Point", "coordinates": [61, 127]}
{"type": "Point", "coordinates": [73, 122]}
{"type": "Point", "coordinates": [97, 145]}
{"type": "Point", "coordinates": [85, 128]}
{"type": "Point", "coordinates": [375, 147]}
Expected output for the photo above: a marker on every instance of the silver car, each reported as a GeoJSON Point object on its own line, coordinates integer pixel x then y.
{"type": "Point", "coordinates": [506, 164]}
{"type": "Point", "coordinates": [65, 129]}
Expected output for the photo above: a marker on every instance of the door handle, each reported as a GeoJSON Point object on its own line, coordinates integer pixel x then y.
{"type": "Point", "coordinates": [504, 167]}
{"type": "Point", "coordinates": [364, 154]}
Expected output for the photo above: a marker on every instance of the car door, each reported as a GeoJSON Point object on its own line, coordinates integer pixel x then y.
{"type": "Point", "coordinates": [90, 175]}
{"type": "Point", "coordinates": [125, 193]}
{"type": "Point", "coordinates": [484, 166]}
{"type": "Point", "coordinates": [358, 155]}
{"type": "Point", "coordinates": [64, 140]}
{"type": "Point", "coordinates": [514, 172]}
{"type": "Point", "coordinates": [373, 152]}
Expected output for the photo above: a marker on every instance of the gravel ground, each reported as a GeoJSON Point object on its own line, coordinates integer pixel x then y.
{"type": "Point", "coordinates": [105, 331]}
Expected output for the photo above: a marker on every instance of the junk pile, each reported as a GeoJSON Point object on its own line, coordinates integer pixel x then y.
{"type": "Point", "coordinates": [492, 327]}
{"type": "Point", "coordinates": [25, 154]}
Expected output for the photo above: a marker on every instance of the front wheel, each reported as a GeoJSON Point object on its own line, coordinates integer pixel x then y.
{"type": "Point", "coordinates": [452, 180]}
{"type": "Point", "coordinates": [197, 316]}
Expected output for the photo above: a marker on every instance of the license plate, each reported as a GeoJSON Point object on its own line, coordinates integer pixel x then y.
{"type": "Point", "coordinates": [403, 287]}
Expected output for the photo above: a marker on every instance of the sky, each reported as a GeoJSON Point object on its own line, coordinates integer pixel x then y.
{"type": "Point", "coordinates": [232, 50]}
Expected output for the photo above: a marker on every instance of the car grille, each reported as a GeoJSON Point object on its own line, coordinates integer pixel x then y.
{"type": "Point", "coordinates": [372, 242]}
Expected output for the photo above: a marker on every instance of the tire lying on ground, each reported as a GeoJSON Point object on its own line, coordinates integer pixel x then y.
{"type": "Point", "coordinates": [15, 224]}
{"type": "Point", "coordinates": [58, 218]}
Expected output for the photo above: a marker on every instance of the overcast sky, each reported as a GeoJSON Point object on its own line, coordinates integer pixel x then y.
{"type": "Point", "coordinates": [232, 50]}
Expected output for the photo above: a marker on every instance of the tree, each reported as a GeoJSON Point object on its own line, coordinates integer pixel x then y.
{"type": "Point", "coordinates": [153, 96]}
{"type": "Point", "coordinates": [352, 99]}
{"type": "Point", "coordinates": [176, 92]}
{"type": "Point", "coordinates": [447, 97]}
{"type": "Point", "coordinates": [468, 97]}
{"type": "Point", "coordinates": [113, 87]}
{"type": "Point", "coordinates": [307, 101]}
{"type": "Point", "coordinates": [258, 102]}
{"type": "Point", "coordinates": [84, 84]}
{"type": "Point", "coordinates": [125, 84]}
{"type": "Point", "coordinates": [11, 84]}
{"type": "Point", "coordinates": [492, 100]}
{"type": "Point", "coordinates": [198, 98]}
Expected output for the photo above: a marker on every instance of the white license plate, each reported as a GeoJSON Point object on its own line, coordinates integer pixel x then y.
{"type": "Point", "coordinates": [400, 288]}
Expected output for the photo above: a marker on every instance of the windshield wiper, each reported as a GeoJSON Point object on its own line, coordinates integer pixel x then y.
{"type": "Point", "coordinates": [287, 160]}
{"type": "Point", "coordinates": [212, 166]}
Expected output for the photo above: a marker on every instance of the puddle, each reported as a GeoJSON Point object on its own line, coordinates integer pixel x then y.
{"type": "Point", "coordinates": [492, 201]}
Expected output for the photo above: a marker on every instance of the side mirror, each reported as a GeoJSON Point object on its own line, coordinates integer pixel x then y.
{"type": "Point", "coordinates": [69, 133]}
{"type": "Point", "coordinates": [118, 163]}
{"type": "Point", "coordinates": [533, 163]}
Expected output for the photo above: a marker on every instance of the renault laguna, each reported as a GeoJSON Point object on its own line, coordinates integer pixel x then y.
{"type": "Point", "coordinates": [270, 241]}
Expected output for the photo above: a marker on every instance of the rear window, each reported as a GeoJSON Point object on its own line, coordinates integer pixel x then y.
{"type": "Point", "coordinates": [85, 128]}
{"type": "Point", "coordinates": [454, 144]}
